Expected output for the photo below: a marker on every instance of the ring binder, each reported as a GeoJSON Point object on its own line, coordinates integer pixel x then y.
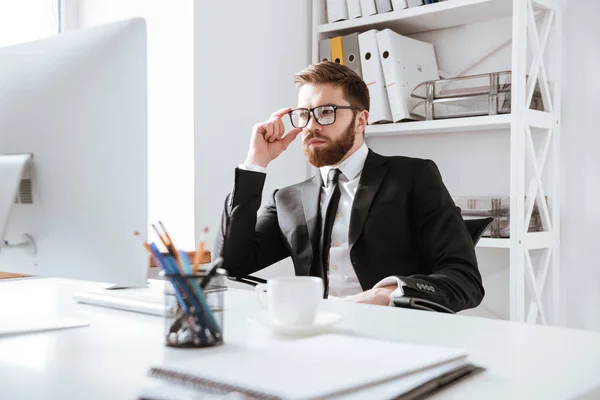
{"type": "Point", "coordinates": [207, 385]}
{"type": "Point", "coordinates": [257, 373]}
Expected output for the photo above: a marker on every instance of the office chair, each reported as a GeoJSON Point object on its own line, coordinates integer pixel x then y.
{"type": "Point", "coordinates": [475, 227]}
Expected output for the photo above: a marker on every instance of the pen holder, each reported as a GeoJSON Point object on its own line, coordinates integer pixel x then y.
{"type": "Point", "coordinates": [194, 310]}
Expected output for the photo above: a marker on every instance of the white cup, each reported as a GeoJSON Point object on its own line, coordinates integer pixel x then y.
{"type": "Point", "coordinates": [292, 300]}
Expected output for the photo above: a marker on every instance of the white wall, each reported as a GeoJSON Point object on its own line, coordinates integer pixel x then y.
{"type": "Point", "coordinates": [170, 27]}
{"type": "Point", "coordinates": [581, 166]}
{"type": "Point", "coordinates": [246, 54]}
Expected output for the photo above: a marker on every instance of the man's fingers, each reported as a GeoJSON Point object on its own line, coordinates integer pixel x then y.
{"type": "Point", "coordinates": [273, 129]}
{"type": "Point", "coordinates": [279, 128]}
{"type": "Point", "coordinates": [290, 136]}
{"type": "Point", "coordinates": [269, 131]}
{"type": "Point", "coordinates": [280, 113]}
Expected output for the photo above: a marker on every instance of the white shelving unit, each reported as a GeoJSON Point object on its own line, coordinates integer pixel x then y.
{"type": "Point", "coordinates": [533, 23]}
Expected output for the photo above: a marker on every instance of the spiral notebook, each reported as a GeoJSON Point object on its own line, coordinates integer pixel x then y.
{"type": "Point", "coordinates": [325, 366]}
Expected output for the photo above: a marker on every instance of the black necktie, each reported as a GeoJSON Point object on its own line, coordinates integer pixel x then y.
{"type": "Point", "coordinates": [330, 206]}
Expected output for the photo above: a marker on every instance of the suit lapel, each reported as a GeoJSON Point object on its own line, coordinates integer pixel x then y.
{"type": "Point", "coordinates": [311, 194]}
{"type": "Point", "coordinates": [372, 175]}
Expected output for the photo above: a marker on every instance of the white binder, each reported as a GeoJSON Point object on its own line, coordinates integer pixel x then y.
{"type": "Point", "coordinates": [336, 10]}
{"type": "Point", "coordinates": [324, 50]}
{"type": "Point", "coordinates": [368, 7]}
{"type": "Point", "coordinates": [406, 63]}
{"type": "Point", "coordinates": [414, 3]}
{"type": "Point", "coordinates": [354, 10]}
{"type": "Point", "coordinates": [399, 5]}
{"type": "Point", "coordinates": [383, 6]}
{"type": "Point", "coordinates": [372, 72]}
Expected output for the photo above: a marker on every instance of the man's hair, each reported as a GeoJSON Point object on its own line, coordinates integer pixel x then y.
{"type": "Point", "coordinates": [327, 72]}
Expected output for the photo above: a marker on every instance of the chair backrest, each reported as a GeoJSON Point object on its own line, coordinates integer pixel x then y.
{"type": "Point", "coordinates": [476, 227]}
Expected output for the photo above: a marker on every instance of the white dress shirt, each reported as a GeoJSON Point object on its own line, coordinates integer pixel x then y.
{"type": "Point", "coordinates": [342, 277]}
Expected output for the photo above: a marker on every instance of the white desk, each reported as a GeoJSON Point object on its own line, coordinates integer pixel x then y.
{"type": "Point", "coordinates": [110, 358]}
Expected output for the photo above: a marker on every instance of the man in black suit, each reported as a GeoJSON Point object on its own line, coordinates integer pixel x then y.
{"type": "Point", "coordinates": [372, 227]}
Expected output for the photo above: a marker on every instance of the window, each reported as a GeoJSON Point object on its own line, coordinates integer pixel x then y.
{"type": "Point", "coordinates": [170, 37]}
{"type": "Point", "coordinates": [27, 20]}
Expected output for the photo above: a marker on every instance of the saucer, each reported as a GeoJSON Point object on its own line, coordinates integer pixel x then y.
{"type": "Point", "coordinates": [323, 321]}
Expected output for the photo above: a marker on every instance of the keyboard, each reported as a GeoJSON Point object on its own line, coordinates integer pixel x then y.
{"type": "Point", "coordinates": [149, 300]}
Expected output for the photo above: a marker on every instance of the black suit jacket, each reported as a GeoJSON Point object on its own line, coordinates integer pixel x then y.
{"type": "Point", "coordinates": [403, 223]}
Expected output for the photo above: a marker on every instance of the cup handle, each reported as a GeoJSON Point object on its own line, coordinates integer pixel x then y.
{"type": "Point", "coordinates": [262, 295]}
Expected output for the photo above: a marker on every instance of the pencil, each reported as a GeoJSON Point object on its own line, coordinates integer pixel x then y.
{"type": "Point", "coordinates": [147, 247]}
{"type": "Point", "coordinates": [166, 240]}
{"type": "Point", "coordinates": [200, 253]}
{"type": "Point", "coordinates": [166, 233]}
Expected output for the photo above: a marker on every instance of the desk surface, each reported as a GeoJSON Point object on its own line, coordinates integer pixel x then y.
{"type": "Point", "coordinates": [110, 358]}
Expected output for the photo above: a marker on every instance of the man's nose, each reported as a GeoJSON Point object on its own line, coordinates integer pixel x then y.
{"type": "Point", "coordinates": [313, 125]}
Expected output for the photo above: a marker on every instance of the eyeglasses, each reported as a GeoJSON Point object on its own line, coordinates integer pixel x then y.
{"type": "Point", "coordinates": [324, 115]}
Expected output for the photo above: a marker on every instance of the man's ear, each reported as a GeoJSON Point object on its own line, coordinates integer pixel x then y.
{"type": "Point", "coordinates": [362, 121]}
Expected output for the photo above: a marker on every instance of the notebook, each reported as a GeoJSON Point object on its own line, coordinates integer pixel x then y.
{"type": "Point", "coordinates": [325, 366]}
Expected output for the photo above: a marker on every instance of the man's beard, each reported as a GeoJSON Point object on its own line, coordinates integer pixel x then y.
{"type": "Point", "coordinates": [331, 153]}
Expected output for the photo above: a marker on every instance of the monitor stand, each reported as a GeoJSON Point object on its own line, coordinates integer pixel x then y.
{"type": "Point", "coordinates": [12, 171]}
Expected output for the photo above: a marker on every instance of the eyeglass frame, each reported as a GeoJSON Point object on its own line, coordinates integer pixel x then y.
{"type": "Point", "coordinates": [311, 113]}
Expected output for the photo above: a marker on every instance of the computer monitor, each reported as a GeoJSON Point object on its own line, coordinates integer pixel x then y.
{"type": "Point", "coordinates": [76, 103]}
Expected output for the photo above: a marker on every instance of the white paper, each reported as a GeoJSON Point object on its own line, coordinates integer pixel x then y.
{"type": "Point", "coordinates": [27, 324]}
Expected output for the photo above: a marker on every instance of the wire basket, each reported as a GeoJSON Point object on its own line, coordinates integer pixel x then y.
{"type": "Point", "coordinates": [195, 310]}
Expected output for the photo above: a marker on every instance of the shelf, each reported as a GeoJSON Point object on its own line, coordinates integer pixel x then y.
{"type": "Point", "coordinates": [486, 123]}
{"type": "Point", "coordinates": [539, 119]}
{"type": "Point", "coordinates": [535, 240]}
{"type": "Point", "coordinates": [539, 240]}
{"type": "Point", "coordinates": [426, 18]}
{"type": "Point", "coordinates": [494, 243]}
{"type": "Point", "coordinates": [469, 124]}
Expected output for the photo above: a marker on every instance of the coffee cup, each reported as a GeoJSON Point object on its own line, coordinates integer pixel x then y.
{"type": "Point", "coordinates": [291, 300]}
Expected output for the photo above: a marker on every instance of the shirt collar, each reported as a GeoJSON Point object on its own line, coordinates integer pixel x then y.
{"type": "Point", "coordinates": [351, 167]}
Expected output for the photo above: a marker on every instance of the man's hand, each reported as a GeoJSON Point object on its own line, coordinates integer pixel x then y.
{"type": "Point", "coordinates": [268, 140]}
{"type": "Point", "coordinates": [380, 296]}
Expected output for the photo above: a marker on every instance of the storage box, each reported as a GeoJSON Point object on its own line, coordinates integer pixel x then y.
{"type": "Point", "coordinates": [469, 96]}
{"type": "Point", "coordinates": [499, 209]}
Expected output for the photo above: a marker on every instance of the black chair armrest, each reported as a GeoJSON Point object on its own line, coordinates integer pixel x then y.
{"type": "Point", "coordinates": [420, 304]}
{"type": "Point", "coordinates": [476, 227]}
